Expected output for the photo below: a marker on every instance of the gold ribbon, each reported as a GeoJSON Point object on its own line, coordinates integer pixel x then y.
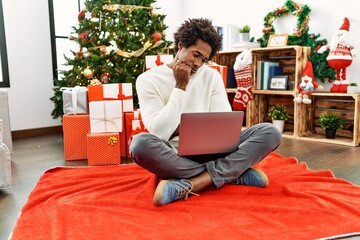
{"type": "Point", "coordinates": [123, 8]}
{"type": "Point", "coordinates": [136, 53]}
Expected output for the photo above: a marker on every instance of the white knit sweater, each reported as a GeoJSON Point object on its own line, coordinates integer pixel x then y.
{"type": "Point", "coordinates": [162, 104]}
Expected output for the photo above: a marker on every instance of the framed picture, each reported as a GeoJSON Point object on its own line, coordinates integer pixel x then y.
{"type": "Point", "coordinates": [278, 40]}
{"type": "Point", "coordinates": [278, 82]}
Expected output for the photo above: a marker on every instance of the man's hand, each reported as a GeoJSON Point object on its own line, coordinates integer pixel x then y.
{"type": "Point", "coordinates": [181, 72]}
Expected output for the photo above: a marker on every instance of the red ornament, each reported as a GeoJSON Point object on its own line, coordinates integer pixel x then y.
{"type": "Point", "coordinates": [81, 16]}
{"type": "Point", "coordinates": [330, 80]}
{"type": "Point", "coordinates": [83, 36]}
{"type": "Point", "coordinates": [105, 78]}
{"type": "Point", "coordinates": [157, 36]}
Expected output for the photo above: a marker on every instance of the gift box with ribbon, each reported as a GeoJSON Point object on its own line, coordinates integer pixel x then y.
{"type": "Point", "coordinates": [103, 149]}
{"type": "Point", "coordinates": [223, 70]}
{"type": "Point", "coordinates": [106, 116]}
{"type": "Point", "coordinates": [75, 100]}
{"type": "Point", "coordinates": [75, 129]}
{"type": "Point", "coordinates": [157, 60]}
{"type": "Point", "coordinates": [133, 126]}
{"type": "Point", "coordinates": [113, 91]}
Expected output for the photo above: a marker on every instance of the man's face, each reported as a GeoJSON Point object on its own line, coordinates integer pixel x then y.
{"type": "Point", "coordinates": [196, 55]}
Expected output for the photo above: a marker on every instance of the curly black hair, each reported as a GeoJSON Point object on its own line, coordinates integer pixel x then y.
{"type": "Point", "coordinates": [198, 28]}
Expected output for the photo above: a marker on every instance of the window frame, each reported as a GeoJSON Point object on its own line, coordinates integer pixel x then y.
{"type": "Point", "coordinates": [3, 52]}
{"type": "Point", "coordinates": [54, 37]}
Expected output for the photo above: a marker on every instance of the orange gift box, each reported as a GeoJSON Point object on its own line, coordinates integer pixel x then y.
{"type": "Point", "coordinates": [133, 126]}
{"type": "Point", "coordinates": [103, 149]}
{"type": "Point", "coordinates": [113, 91]}
{"type": "Point", "coordinates": [222, 70]}
{"type": "Point", "coordinates": [75, 129]}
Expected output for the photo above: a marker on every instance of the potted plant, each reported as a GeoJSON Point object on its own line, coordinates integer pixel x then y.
{"type": "Point", "coordinates": [278, 114]}
{"type": "Point", "coordinates": [352, 88]}
{"type": "Point", "coordinates": [331, 122]}
{"type": "Point", "coordinates": [244, 33]}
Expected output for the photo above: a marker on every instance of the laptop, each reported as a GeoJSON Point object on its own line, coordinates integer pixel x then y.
{"type": "Point", "coordinates": [208, 133]}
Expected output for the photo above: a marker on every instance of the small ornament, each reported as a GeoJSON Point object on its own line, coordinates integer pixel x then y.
{"type": "Point", "coordinates": [81, 15]}
{"type": "Point", "coordinates": [93, 39]}
{"type": "Point", "coordinates": [80, 54]}
{"type": "Point", "coordinates": [83, 36]}
{"type": "Point", "coordinates": [330, 80]}
{"type": "Point", "coordinates": [112, 140]}
{"type": "Point", "coordinates": [88, 73]}
{"type": "Point", "coordinates": [104, 78]}
{"type": "Point", "coordinates": [121, 71]}
{"type": "Point", "coordinates": [157, 36]}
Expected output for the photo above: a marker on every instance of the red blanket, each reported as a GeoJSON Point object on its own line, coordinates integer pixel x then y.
{"type": "Point", "coordinates": [115, 202]}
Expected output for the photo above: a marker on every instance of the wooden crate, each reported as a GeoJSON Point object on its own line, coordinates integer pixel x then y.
{"type": "Point", "coordinates": [261, 104]}
{"type": "Point", "coordinates": [292, 58]}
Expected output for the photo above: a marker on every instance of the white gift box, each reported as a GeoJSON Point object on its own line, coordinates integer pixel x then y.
{"type": "Point", "coordinates": [157, 60]}
{"type": "Point", "coordinates": [5, 162]}
{"type": "Point", "coordinates": [113, 91]}
{"type": "Point", "coordinates": [75, 100]}
{"type": "Point", "coordinates": [106, 116]}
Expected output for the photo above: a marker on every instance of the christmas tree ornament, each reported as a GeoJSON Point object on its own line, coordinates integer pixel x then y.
{"type": "Point", "coordinates": [80, 54]}
{"type": "Point", "coordinates": [157, 36]}
{"type": "Point", "coordinates": [104, 78]}
{"type": "Point", "coordinates": [83, 36]}
{"type": "Point", "coordinates": [81, 15]}
{"type": "Point", "coordinates": [243, 76]}
{"type": "Point", "coordinates": [88, 73]}
{"type": "Point", "coordinates": [307, 85]}
{"type": "Point", "coordinates": [340, 56]}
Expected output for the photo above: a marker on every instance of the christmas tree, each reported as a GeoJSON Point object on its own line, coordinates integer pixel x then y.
{"type": "Point", "coordinates": [113, 37]}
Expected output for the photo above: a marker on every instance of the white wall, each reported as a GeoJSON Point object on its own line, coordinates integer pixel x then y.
{"type": "Point", "coordinates": [30, 68]}
{"type": "Point", "coordinates": [29, 49]}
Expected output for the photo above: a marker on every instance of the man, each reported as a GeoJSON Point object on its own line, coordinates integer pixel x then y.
{"type": "Point", "coordinates": [187, 85]}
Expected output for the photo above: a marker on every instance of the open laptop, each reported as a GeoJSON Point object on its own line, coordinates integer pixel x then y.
{"type": "Point", "coordinates": [208, 133]}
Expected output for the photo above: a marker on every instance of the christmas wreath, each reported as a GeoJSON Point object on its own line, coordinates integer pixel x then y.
{"type": "Point", "coordinates": [300, 37]}
{"type": "Point", "coordinates": [302, 13]}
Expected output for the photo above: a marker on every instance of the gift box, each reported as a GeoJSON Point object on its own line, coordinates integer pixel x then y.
{"type": "Point", "coordinates": [5, 162]}
{"type": "Point", "coordinates": [157, 60]}
{"type": "Point", "coordinates": [103, 148]}
{"type": "Point", "coordinates": [113, 91]}
{"type": "Point", "coordinates": [106, 116]}
{"type": "Point", "coordinates": [133, 126]}
{"type": "Point", "coordinates": [75, 129]}
{"type": "Point", "coordinates": [75, 100]}
{"type": "Point", "coordinates": [223, 70]}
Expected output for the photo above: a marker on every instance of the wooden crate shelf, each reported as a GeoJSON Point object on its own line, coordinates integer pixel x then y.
{"type": "Point", "coordinates": [303, 123]}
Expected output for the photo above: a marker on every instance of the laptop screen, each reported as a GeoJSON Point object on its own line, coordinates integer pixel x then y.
{"type": "Point", "coordinates": [209, 132]}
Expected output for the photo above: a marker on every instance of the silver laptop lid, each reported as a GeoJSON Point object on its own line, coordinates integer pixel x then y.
{"type": "Point", "coordinates": [209, 132]}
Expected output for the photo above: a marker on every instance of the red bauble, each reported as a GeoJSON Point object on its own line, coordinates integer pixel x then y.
{"type": "Point", "coordinates": [81, 15]}
{"type": "Point", "coordinates": [83, 36]}
{"type": "Point", "coordinates": [157, 36]}
{"type": "Point", "coordinates": [104, 78]}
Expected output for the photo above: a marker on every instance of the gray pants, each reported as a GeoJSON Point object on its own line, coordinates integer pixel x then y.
{"type": "Point", "coordinates": [156, 155]}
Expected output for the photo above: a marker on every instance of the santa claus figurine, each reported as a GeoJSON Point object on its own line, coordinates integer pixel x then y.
{"type": "Point", "coordinates": [340, 56]}
{"type": "Point", "coordinates": [307, 85]}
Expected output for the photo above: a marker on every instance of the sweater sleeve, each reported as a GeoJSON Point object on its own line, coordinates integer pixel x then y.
{"type": "Point", "coordinates": [161, 116]}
